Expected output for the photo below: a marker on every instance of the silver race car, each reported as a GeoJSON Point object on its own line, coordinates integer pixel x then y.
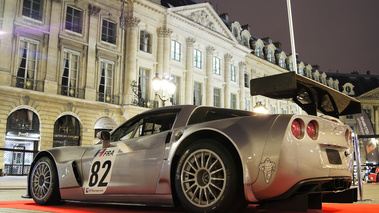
{"type": "Point", "coordinates": [211, 159]}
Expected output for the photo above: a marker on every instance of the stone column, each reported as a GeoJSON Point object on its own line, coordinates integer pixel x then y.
{"type": "Point", "coordinates": [54, 47]}
{"type": "Point", "coordinates": [7, 41]}
{"type": "Point", "coordinates": [227, 58]}
{"type": "Point", "coordinates": [189, 74]}
{"type": "Point", "coordinates": [164, 43]}
{"type": "Point", "coordinates": [131, 56]}
{"type": "Point", "coordinates": [209, 72]}
{"type": "Point", "coordinates": [91, 55]}
{"type": "Point", "coordinates": [241, 71]}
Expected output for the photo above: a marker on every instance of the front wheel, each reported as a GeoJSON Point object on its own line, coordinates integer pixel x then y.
{"type": "Point", "coordinates": [43, 184]}
{"type": "Point", "coordinates": [207, 180]}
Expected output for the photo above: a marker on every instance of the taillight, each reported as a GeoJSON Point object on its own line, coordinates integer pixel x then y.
{"type": "Point", "coordinates": [296, 128]}
{"type": "Point", "coordinates": [312, 130]}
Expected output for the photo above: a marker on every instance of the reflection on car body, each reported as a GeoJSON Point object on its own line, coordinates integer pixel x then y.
{"type": "Point", "coordinates": [204, 158]}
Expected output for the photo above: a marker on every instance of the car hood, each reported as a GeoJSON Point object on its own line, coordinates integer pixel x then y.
{"type": "Point", "coordinates": [310, 95]}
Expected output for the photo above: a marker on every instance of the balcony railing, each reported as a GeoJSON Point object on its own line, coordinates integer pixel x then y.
{"type": "Point", "coordinates": [145, 103]}
{"type": "Point", "coordinates": [27, 83]}
{"type": "Point", "coordinates": [71, 91]}
{"type": "Point", "coordinates": [112, 99]}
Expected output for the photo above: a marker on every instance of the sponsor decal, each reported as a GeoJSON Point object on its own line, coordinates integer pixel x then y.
{"type": "Point", "coordinates": [268, 168]}
{"type": "Point", "coordinates": [101, 171]}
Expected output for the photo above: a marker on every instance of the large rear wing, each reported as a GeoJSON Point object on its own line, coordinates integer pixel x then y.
{"type": "Point", "coordinates": [310, 95]}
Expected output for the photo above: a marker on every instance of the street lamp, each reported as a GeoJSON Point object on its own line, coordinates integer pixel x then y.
{"type": "Point", "coordinates": [259, 108]}
{"type": "Point", "coordinates": [165, 86]}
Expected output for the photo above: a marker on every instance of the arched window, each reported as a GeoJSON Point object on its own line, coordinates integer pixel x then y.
{"type": "Point", "coordinates": [22, 136]}
{"type": "Point", "coordinates": [66, 131]}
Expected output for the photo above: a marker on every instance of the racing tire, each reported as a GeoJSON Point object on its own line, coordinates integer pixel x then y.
{"type": "Point", "coordinates": [44, 186]}
{"type": "Point", "coordinates": [206, 179]}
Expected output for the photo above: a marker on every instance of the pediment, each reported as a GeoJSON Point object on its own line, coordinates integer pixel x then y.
{"type": "Point", "coordinates": [373, 94]}
{"type": "Point", "coordinates": [204, 16]}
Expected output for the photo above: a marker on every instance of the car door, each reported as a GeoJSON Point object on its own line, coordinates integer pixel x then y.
{"type": "Point", "coordinates": [132, 164]}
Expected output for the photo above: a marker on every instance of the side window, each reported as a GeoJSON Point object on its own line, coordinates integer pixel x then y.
{"type": "Point", "coordinates": [156, 123]}
{"type": "Point", "coordinates": [151, 124]}
{"type": "Point", "coordinates": [125, 131]}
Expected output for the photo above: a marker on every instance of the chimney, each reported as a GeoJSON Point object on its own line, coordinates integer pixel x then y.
{"type": "Point", "coordinates": [267, 39]}
{"type": "Point", "coordinates": [278, 44]}
{"type": "Point", "coordinates": [246, 27]}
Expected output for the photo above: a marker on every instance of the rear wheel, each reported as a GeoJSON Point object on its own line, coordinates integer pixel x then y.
{"type": "Point", "coordinates": [207, 179]}
{"type": "Point", "coordinates": [44, 185]}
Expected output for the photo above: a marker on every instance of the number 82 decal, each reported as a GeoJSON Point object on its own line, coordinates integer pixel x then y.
{"type": "Point", "coordinates": [101, 171]}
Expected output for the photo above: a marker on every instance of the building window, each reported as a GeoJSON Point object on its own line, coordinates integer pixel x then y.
{"type": "Point", "coordinates": [301, 70]}
{"type": "Point", "coordinates": [197, 58]}
{"type": "Point", "coordinates": [281, 62]}
{"type": "Point", "coordinates": [270, 56]}
{"type": "Point", "coordinates": [216, 97]}
{"type": "Point", "coordinates": [176, 95]}
{"type": "Point", "coordinates": [258, 50]}
{"type": "Point", "coordinates": [70, 75]}
{"type": "Point", "coordinates": [216, 65]}
{"type": "Point", "coordinates": [175, 50]}
{"type": "Point", "coordinates": [272, 109]}
{"type": "Point", "coordinates": [244, 38]}
{"type": "Point", "coordinates": [246, 80]}
{"type": "Point", "coordinates": [74, 20]}
{"type": "Point", "coordinates": [143, 84]}
{"type": "Point", "coordinates": [233, 101]}
{"type": "Point", "coordinates": [32, 9]}
{"type": "Point", "coordinates": [197, 94]}
{"type": "Point", "coordinates": [145, 41]}
{"type": "Point", "coordinates": [291, 65]}
{"type": "Point", "coordinates": [247, 104]}
{"type": "Point", "coordinates": [108, 33]}
{"type": "Point", "coordinates": [27, 63]}
{"type": "Point", "coordinates": [284, 111]}
{"type": "Point", "coordinates": [66, 131]}
{"type": "Point", "coordinates": [106, 81]}
{"type": "Point", "coordinates": [232, 73]}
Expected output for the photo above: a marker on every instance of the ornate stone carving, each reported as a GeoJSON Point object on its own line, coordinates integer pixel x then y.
{"type": "Point", "coordinates": [70, 106]}
{"type": "Point", "coordinates": [93, 10]}
{"type": "Point", "coordinates": [190, 41]}
{"type": "Point", "coordinates": [26, 100]}
{"type": "Point", "coordinates": [242, 65]}
{"type": "Point", "coordinates": [201, 17]}
{"type": "Point", "coordinates": [228, 57]}
{"type": "Point", "coordinates": [132, 21]}
{"type": "Point", "coordinates": [164, 32]}
{"type": "Point", "coordinates": [210, 50]}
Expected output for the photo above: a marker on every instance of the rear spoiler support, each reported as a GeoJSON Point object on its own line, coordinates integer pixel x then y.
{"type": "Point", "coordinates": [310, 95]}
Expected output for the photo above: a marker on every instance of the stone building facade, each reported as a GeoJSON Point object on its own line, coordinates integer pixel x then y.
{"type": "Point", "coordinates": [69, 68]}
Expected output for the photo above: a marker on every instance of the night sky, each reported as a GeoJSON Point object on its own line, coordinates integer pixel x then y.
{"type": "Point", "coordinates": [337, 35]}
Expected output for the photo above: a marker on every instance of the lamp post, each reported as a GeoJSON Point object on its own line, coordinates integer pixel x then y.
{"type": "Point", "coordinates": [164, 86]}
{"type": "Point", "coordinates": [260, 108]}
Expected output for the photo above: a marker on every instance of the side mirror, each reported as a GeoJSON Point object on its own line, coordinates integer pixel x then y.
{"type": "Point", "coordinates": [105, 138]}
{"type": "Point", "coordinates": [104, 135]}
